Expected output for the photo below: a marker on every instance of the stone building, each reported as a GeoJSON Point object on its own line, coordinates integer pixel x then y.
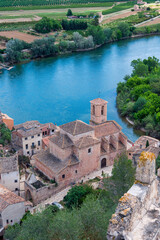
{"type": "Point", "coordinates": [9, 173]}
{"type": "Point", "coordinates": [12, 208]}
{"type": "Point", "coordinates": [143, 143]}
{"type": "Point", "coordinates": [137, 214]}
{"type": "Point", "coordinates": [77, 149]}
{"type": "Point", "coordinates": [27, 137]}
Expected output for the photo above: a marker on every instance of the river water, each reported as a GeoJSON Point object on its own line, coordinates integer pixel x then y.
{"type": "Point", "coordinates": [59, 89]}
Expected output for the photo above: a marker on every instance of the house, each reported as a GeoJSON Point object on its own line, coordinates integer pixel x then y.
{"type": "Point", "coordinates": [12, 208]}
{"type": "Point", "coordinates": [77, 148]}
{"type": "Point", "coordinates": [143, 143]}
{"type": "Point", "coordinates": [9, 173]}
{"type": "Point", "coordinates": [28, 136]}
{"type": "Point", "coordinates": [9, 122]}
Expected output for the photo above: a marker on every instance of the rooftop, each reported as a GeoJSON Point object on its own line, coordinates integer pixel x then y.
{"type": "Point", "coordinates": [62, 140]}
{"type": "Point", "coordinates": [98, 101]}
{"type": "Point", "coordinates": [55, 164]}
{"type": "Point", "coordinates": [76, 127]}
{"type": "Point", "coordinates": [30, 128]}
{"type": "Point", "coordinates": [9, 164]}
{"type": "Point", "coordinates": [107, 128]}
{"type": "Point", "coordinates": [86, 141]}
{"type": "Point", "coordinates": [8, 198]}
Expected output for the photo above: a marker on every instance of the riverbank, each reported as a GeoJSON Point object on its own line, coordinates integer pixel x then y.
{"type": "Point", "coordinates": [138, 97]}
{"type": "Point", "coordinates": [81, 50]}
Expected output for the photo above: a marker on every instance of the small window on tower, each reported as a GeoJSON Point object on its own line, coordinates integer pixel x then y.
{"type": "Point", "coordinates": [89, 150]}
{"type": "Point", "coordinates": [93, 110]}
{"type": "Point", "coordinates": [102, 110]}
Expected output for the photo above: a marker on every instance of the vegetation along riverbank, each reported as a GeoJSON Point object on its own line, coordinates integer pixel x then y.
{"type": "Point", "coordinates": [138, 98]}
{"type": "Point", "coordinates": [74, 35]}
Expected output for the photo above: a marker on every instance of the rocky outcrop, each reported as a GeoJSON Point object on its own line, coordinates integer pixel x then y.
{"type": "Point", "coordinates": [136, 208]}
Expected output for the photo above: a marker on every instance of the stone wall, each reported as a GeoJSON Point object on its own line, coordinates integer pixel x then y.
{"type": "Point", "coordinates": [133, 206]}
{"type": "Point", "coordinates": [41, 194]}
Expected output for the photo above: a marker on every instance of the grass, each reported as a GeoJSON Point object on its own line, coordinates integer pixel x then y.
{"type": "Point", "coordinates": [16, 26]}
{"type": "Point", "coordinates": [105, 4]}
{"type": "Point", "coordinates": [120, 7]}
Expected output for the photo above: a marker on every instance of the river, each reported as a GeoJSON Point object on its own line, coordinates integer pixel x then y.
{"type": "Point", "coordinates": [59, 89]}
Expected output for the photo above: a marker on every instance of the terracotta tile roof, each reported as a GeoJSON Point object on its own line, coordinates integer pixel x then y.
{"type": "Point", "coordinates": [52, 162]}
{"type": "Point", "coordinates": [76, 127]}
{"type": "Point", "coordinates": [98, 101]}
{"type": "Point", "coordinates": [45, 140]}
{"type": "Point", "coordinates": [61, 140]}
{"type": "Point", "coordinates": [106, 129]}
{"type": "Point", "coordinates": [31, 128]}
{"type": "Point", "coordinates": [8, 198]}
{"type": "Point", "coordinates": [86, 141]}
{"type": "Point", "coordinates": [140, 143]}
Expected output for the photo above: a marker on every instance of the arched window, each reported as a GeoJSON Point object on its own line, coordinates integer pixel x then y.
{"type": "Point", "coordinates": [102, 110]}
{"type": "Point", "coordinates": [103, 163]}
{"type": "Point", "coordinates": [93, 110]}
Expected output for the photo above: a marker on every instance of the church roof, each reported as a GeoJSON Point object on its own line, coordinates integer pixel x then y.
{"type": "Point", "coordinates": [76, 127]}
{"type": "Point", "coordinates": [62, 140]}
{"type": "Point", "coordinates": [98, 101]}
{"type": "Point", "coordinates": [54, 163]}
{"type": "Point", "coordinates": [107, 128]}
{"type": "Point", "coordinates": [86, 141]}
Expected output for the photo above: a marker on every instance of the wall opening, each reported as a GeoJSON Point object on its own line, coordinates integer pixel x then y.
{"type": "Point", "coordinates": [103, 163]}
{"type": "Point", "coordinates": [28, 196]}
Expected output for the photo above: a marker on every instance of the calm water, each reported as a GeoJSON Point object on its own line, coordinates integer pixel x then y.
{"type": "Point", "coordinates": [59, 89]}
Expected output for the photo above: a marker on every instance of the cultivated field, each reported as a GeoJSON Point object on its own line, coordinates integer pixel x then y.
{"type": "Point", "coordinates": [155, 21]}
{"type": "Point", "coordinates": [114, 16]}
{"type": "Point", "coordinates": [22, 36]}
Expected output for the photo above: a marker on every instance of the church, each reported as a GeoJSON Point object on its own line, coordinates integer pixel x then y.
{"type": "Point", "coordinates": [77, 149]}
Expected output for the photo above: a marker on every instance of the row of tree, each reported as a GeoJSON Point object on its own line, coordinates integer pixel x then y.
{"type": "Point", "coordinates": [46, 25]}
{"type": "Point", "coordinates": [74, 25]}
{"type": "Point", "coordinates": [139, 96]}
{"type": "Point", "coordinates": [86, 214]}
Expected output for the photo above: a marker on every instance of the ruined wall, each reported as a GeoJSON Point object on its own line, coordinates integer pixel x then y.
{"type": "Point", "coordinates": [135, 204]}
{"type": "Point", "coordinates": [41, 194]}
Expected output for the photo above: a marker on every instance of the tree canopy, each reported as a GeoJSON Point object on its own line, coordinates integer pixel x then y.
{"type": "Point", "coordinates": [139, 96]}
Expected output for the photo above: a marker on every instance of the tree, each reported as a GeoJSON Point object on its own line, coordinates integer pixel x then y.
{"type": "Point", "coordinates": [147, 143]}
{"type": "Point", "coordinates": [76, 195]}
{"type": "Point", "coordinates": [123, 175]}
{"type": "Point", "coordinates": [124, 28]}
{"type": "Point", "coordinates": [46, 25]}
{"type": "Point", "coordinates": [140, 69]}
{"type": "Point", "coordinates": [1, 58]}
{"type": "Point", "coordinates": [44, 47]}
{"type": "Point", "coordinates": [13, 50]}
{"type": "Point", "coordinates": [97, 33]}
{"type": "Point", "coordinates": [108, 34]}
{"type": "Point", "coordinates": [69, 12]}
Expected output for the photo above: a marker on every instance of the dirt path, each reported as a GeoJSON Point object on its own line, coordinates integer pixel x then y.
{"type": "Point", "coordinates": [22, 36]}
{"type": "Point", "coordinates": [13, 20]}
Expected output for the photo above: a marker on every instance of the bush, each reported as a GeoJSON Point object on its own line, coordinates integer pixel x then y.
{"type": "Point", "coordinates": [44, 47]}
{"type": "Point", "coordinates": [76, 195]}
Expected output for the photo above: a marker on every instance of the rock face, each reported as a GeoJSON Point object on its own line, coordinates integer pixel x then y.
{"type": "Point", "coordinates": [133, 214]}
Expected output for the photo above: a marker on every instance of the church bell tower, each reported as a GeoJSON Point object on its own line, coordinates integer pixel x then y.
{"type": "Point", "coordinates": [98, 111]}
